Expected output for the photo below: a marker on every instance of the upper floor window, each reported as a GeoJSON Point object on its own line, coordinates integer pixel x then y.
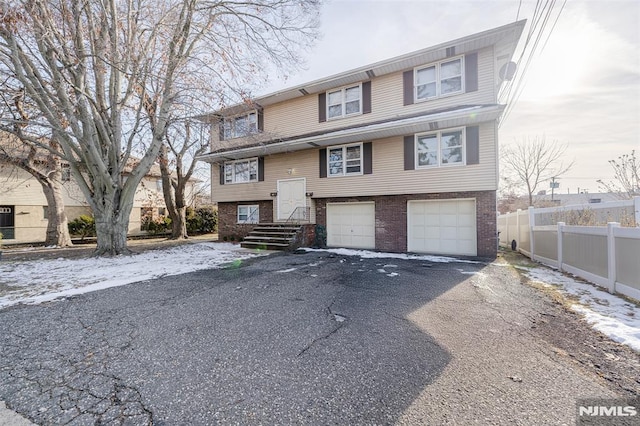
{"type": "Point", "coordinates": [66, 172]}
{"type": "Point", "coordinates": [345, 160]}
{"type": "Point", "coordinates": [440, 79]}
{"type": "Point", "coordinates": [440, 149]}
{"type": "Point", "coordinates": [241, 171]}
{"type": "Point", "coordinates": [345, 101]}
{"type": "Point", "coordinates": [240, 125]}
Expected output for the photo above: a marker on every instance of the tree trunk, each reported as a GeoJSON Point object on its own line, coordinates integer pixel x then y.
{"type": "Point", "coordinates": [173, 192]}
{"type": "Point", "coordinates": [57, 227]}
{"type": "Point", "coordinates": [179, 224]}
{"type": "Point", "coordinates": [112, 225]}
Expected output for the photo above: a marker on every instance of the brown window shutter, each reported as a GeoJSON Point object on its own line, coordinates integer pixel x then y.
{"type": "Point", "coordinates": [322, 107]}
{"type": "Point", "coordinates": [407, 85]}
{"type": "Point", "coordinates": [222, 174]}
{"type": "Point", "coordinates": [260, 120]}
{"type": "Point", "coordinates": [260, 169]}
{"type": "Point", "coordinates": [367, 158]}
{"type": "Point", "coordinates": [221, 129]}
{"type": "Point", "coordinates": [471, 72]}
{"type": "Point", "coordinates": [323, 163]}
{"type": "Point", "coordinates": [409, 152]}
{"type": "Point", "coordinates": [366, 97]}
{"type": "Point", "coordinates": [473, 145]}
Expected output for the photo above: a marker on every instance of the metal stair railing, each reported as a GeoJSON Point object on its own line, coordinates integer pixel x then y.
{"type": "Point", "coordinates": [299, 215]}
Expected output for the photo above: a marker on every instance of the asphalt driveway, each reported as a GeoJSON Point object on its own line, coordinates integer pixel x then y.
{"type": "Point", "coordinates": [312, 338]}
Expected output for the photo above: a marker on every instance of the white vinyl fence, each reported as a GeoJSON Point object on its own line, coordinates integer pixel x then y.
{"type": "Point", "coordinates": [607, 255]}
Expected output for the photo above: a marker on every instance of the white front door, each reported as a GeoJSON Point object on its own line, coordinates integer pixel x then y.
{"type": "Point", "coordinates": [291, 194]}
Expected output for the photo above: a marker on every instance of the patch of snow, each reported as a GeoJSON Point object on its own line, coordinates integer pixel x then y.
{"type": "Point", "coordinates": [381, 255]}
{"type": "Point", "coordinates": [45, 280]}
{"type": "Point", "coordinates": [390, 266]}
{"type": "Point", "coordinates": [608, 313]}
{"type": "Point", "coordinates": [382, 271]}
{"type": "Point", "coordinates": [284, 271]}
{"type": "Point", "coordinates": [393, 274]}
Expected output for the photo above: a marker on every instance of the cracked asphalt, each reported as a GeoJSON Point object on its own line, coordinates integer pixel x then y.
{"type": "Point", "coordinates": [306, 338]}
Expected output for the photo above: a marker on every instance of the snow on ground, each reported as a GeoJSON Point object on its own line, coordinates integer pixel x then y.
{"type": "Point", "coordinates": [366, 254]}
{"type": "Point", "coordinates": [45, 280]}
{"type": "Point", "coordinates": [609, 314]}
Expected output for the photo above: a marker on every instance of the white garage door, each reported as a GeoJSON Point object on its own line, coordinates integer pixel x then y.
{"type": "Point", "coordinates": [442, 227]}
{"type": "Point", "coordinates": [351, 225]}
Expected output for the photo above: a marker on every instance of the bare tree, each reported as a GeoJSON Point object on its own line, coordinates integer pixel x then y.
{"type": "Point", "coordinates": [106, 74]}
{"type": "Point", "coordinates": [46, 168]}
{"type": "Point", "coordinates": [534, 161]}
{"type": "Point", "coordinates": [627, 176]}
{"type": "Point", "coordinates": [185, 140]}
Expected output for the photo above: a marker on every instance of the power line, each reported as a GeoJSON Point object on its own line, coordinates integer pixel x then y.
{"type": "Point", "coordinates": [540, 20]}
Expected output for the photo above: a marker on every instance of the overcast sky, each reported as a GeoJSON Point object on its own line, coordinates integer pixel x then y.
{"type": "Point", "coordinates": [583, 89]}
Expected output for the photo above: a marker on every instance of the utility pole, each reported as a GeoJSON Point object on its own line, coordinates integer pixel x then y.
{"type": "Point", "coordinates": [554, 185]}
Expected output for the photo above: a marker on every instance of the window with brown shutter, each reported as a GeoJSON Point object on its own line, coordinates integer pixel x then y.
{"type": "Point", "coordinates": [473, 145]}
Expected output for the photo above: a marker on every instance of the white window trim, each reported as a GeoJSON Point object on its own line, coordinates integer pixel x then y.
{"type": "Point", "coordinates": [439, 133]}
{"type": "Point", "coordinates": [344, 160]}
{"type": "Point", "coordinates": [233, 176]}
{"type": "Point", "coordinates": [344, 102]}
{"type": "Point", "coordinates": [256, 218]}
{"type": "Point", "coordinates": [232, 121]}
{"type": "Point", "coordinates": [438, 79]}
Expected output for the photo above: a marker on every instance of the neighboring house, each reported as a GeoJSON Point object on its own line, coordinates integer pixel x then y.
{"type": "Point", "coordinates": [400, 155]}
{"type": "Point", "coordinates": [23, 207]}
{"type": "Point", "coordinates": [571, 199]}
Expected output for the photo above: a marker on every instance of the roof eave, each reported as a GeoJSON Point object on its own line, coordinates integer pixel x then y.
{"type": "Point", "coordinates": [510, 32]}
{"type": "Point", "coordinates": [430, 122]}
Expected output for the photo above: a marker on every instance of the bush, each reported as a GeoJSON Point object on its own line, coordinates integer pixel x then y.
{"type": "Point", "coordinates": [202, 220]}
{"type": "Point", "coordinates": [320, 239]}
{"type": "Point", "coordinates": [82, 226]}
{"type": "Point", "coordinates": [158, 226]}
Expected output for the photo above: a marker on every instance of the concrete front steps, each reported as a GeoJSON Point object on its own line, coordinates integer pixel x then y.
{"type": "Point", "coordinates": [271, 236]}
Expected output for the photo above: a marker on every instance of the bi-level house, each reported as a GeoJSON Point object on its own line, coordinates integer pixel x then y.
{"type": "Point", "coordinates": [400, 155]}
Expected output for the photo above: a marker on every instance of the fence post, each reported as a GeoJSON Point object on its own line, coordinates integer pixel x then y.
{"type": "Point", "coordinates": [532, 223]}
{"type": "Point", "coordinates": [611, 256]}
{"type": "Point", "coordinates": [518, 230]}
{"type": "Point", "coordinates": [560, 231]}
{"type": "Point", "coordinates": [636, 210]}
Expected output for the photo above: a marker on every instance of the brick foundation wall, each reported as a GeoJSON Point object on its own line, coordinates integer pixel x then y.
{"type": "Point", "coordinates": [391, 218]}
{"type": "Point", "coordinates": [230, 230]}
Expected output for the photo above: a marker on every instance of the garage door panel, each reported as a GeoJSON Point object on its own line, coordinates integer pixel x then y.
{"type": "Point", "coordinates": [448, 233]}
{"type": "Point", "coordinates": [449, 226]}
{"type": "Point", "coordinates": [351, 225]}
{"type": "Point", "coordinates": [466, 221]}
{"type": "Point", "coordinates": [449, 220]}
{"type": "Point", "coordinates": [448, 208]}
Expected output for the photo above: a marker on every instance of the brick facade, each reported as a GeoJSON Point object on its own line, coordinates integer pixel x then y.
{"type": "Point", "coordinates": [391, 218]}
{"type": "Point", "coordinates": [230, 230]}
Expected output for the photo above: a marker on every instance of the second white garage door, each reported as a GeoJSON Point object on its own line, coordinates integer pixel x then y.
{"type": "Point", "coordinates": [351, 225]}
{"type": "Point", "coordinates": [442, 226]}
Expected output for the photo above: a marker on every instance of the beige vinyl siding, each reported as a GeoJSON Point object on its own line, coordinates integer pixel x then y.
{"type": "Point", "coordinates": [388, 177]}
{"type": "Point", "coordinates": [20, 188]}
{"type": "Point", "coordinates": [300, 116]}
